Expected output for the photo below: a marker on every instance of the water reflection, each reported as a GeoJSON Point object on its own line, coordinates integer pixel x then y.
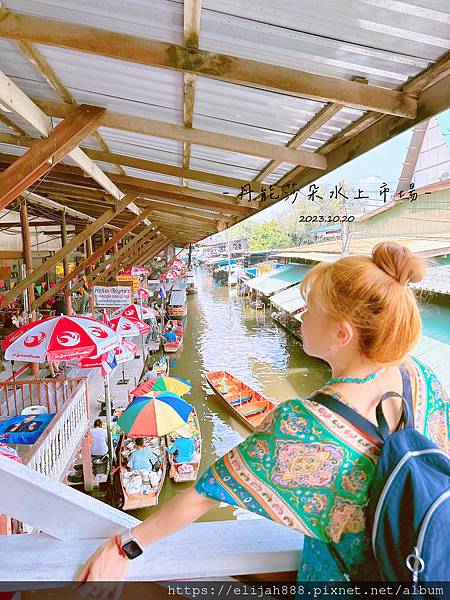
{"type": "Point", "coordinates": [223, 332]}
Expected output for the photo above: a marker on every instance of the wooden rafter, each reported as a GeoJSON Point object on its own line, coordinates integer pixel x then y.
{"type": "Point", "coordinates": [18, 102]}
{"type": "Point", "coordinates": [154, 190]}
{"type": "Point", "coordinates": [201, 137]}
{"type": "Point", "coordinates": [199, 62]}
{"type": "Point", "coordinates": [70, 247]}
{"type": "Point", "coordinates": [45, 153]}
{"type": "Point", "coordinates": [147, 165]}
{"type": "Point", "coordinates": [192, 18]}
{"type": "Point", "coordinates": [92, 258]}
{"type": "Point", "coordinates": [42, 66]}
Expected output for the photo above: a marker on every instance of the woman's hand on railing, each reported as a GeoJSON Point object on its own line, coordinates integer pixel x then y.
{"type": "Point", "coordinates": [106, 567]}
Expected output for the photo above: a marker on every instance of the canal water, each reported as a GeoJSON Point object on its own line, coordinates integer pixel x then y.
{"type": "Point", "coordinates": [222, 332]}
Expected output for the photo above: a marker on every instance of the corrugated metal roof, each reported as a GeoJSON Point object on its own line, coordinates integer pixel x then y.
{"type": "Point", "coordinates": [437, 280]}
{"type": "Point", "coordinates": [386, 41]}
{"type": "Point", "coordinates": [156, 19]}
{"type": "Point", "coordinates": [432, 245]}
{"type": "Point", "coordinates": [278, 280]}
{"type": "Point", "coordinates": [289, 300]}
{"type": "Point", "coordinates": [395, 40]}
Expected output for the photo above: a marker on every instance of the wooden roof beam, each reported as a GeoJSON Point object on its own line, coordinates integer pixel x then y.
{"type": "Point", "coordinates": [92, 258]}
{"type": "Point", "coordinates": [45, 153]}
{"type": "Point", "coordinates": [192, 17]}
{"type": "Point", "coordinates": [201, 137]}
{"type": "Point", "coordinates": [232, 69]}
{"type": "Point", "coordinates": [72, 245]}
{"type": "Point", "coordinates": [18, 102]}
{"type": "Point", "coordinates": [145, 165]}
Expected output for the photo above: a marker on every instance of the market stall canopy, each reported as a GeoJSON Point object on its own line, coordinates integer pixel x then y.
{"type": "Point", "coordinates": [289, 300]}
{"type": "Point", "coordinates": [179, 285]}
{"type": "Point", "coordinates": [177, 298]}
{"type": "Point", "coordinates": [278, 280]}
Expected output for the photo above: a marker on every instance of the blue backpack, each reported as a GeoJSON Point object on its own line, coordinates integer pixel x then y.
{"type": "Point", "coordinates": [409, 497]}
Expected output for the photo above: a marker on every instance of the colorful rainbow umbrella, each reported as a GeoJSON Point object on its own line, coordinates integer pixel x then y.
{"type": "Point", "coordinates": [155, 414]}
{"type": "Point", "coordinates": [163, 384]}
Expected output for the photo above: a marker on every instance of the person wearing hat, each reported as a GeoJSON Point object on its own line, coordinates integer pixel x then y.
{"type": "Point", "coordinates": [183, 445]}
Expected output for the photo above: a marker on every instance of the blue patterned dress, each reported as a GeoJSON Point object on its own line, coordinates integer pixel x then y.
{"type": "Point", "coordinates": [310, 469]}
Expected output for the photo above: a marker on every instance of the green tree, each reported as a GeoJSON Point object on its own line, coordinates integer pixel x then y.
{"type": "Point", "coordinates": [269, 235]}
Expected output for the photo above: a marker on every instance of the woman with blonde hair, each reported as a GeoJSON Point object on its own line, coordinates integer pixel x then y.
{"type": "Point", "coordinates": [307, 467]}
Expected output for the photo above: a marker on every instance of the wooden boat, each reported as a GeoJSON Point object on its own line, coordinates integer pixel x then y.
{"type": "Point", "coordinates": [256, 304]}
{"type": "Point", "coordinates": [178, 471]}
{"type": "Point", "coordinates": [177, 312]}
{"type": "Point", "coordinates": [136, 492]}
{"type": "Point", "coordinates": [161, 366]}
{"type": "Point", "coordinates": [191, 286]}
{"type": "Point", "coordinates": [174, 346]}
{"type": "Point", "coordinates": [247, 405]}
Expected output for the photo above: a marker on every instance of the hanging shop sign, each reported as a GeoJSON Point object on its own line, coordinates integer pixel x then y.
{"type": "Point", "coordinates": [133, 280]}
{"type": "Point", "coordinates": [111, 296]}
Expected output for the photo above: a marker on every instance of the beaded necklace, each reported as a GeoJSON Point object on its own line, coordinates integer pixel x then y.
{"type": "Point", "coordinates": [354, 379]}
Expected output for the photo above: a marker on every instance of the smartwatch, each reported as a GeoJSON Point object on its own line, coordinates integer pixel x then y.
{"type": "Point", "coordinates": [130, 545]}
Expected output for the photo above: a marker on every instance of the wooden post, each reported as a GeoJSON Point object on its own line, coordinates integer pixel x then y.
{"type": "Point", "coordinates": [67, 294]}
{"type": "Point", "coordinates": [26, 247]}
{"type": "Point", "coordinates": [97, 254]}
{"type": "Point", "coordinates": [88, 272]}
{"type": "Point", "coordinates": [102, 240]}
{"type": "Point", "coordinates": [45, 153]}
{"type": "Point", "coordinates": [88, 476]}
{"type": "Point", "coordinates": [109, 214]}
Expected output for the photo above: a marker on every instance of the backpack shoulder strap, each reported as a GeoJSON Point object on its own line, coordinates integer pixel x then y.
{"type": "Point", "coordinates": [349, 414]}
{"type": "Point", "coordinates": [407, 418]}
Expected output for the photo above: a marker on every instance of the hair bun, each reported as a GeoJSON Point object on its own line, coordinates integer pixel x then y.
{"type": "Point", "coordinates": [399, 262]}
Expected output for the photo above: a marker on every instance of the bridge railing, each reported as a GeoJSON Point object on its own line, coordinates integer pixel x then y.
{"type": "Point", "coordinates": [53, 453]}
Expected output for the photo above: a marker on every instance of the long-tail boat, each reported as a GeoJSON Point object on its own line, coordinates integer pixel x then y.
{"type": "Point", "coordinates": [140, 489]}
{"type": "Point", "coordinates": [177, 328]}
{"type": "Point", "coordinates": [246, 404]}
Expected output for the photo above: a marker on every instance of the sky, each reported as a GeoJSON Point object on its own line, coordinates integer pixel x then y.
{"type": "Point", "coordinates": [382, 164]}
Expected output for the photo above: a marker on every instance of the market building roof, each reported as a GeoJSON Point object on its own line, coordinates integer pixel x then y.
{"type": "Point", "coordinates": [198, 104]}
{"type": "Point", "coordinates": [437, 280]}
{"type": "Point", "coordinates": [278, 280]}
{"type": "Point", "coordinates": [289, 300]}
{"type": "Point", "coordinates": [425, 245]}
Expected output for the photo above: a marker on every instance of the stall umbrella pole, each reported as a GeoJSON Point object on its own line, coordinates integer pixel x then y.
{"type": "Point", "coordinates": [108, 421]}
{"type": "Point", "coordinates": [142, 336]}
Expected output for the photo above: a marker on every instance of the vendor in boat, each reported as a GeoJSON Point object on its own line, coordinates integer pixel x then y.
{"type": "Point", "coordinates": [183, 446]}
{"type": "Point", "coordinates": [142, 458]}
{"type": "Point", "coordinates": [170, 336]}
{"type": "Point", "coordinates": [306, 466]}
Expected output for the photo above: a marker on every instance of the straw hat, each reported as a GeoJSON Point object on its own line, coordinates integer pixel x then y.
{"type": "Point", "coordinates": [184, 431]}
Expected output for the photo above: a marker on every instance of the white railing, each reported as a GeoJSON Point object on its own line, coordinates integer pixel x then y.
{"type": "Point", "coordinates": [53, 453]}
{"type": "Point", "coordinates": [78, 523]}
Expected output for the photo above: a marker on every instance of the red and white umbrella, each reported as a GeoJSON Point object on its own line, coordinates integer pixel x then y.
{"type": "Point", "coordinates": [123, 353]}
{"type": "Point", "coordinates": [134, 311]}
{"type": "Point", "coordinates": [142, 293]}
{"type": "Point", "coordinates": [136, 270]}
{"type": "Point", "coordinates": [60, 338]}
{"type": "Point", "coordinates": [129, 327]}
